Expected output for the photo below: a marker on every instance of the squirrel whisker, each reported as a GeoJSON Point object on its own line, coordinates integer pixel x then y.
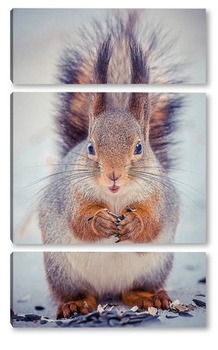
{"type": "Point", "coordinates": [62, 180]}
{"type": "Point", "coordinates": [172, 179]}
{"type": "Point", "coordinates": [171, 168]}
{"type": "Point", "coordinates": [168, 184]}
{"type": "Point", "coordinates": [154, 184]}
{"type": "Point", "coordinates": [79, 171]}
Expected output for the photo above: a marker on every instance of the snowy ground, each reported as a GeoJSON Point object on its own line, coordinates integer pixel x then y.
{"type": "Point", "coordinates": [29, 290]}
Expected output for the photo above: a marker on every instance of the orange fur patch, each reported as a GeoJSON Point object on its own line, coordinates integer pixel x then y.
{"type": "Point", "coordinates": [150, 219]}
{"type": "Point", "coordinates": [81, 224]}
{"type": "Point", "coordinates": [86, 74]}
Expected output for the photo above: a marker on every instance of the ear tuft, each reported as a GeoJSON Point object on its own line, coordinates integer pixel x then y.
{"type": "Point", "coordinates": [101, 69]}
{"type": "Point", "coordinates": [102, 62]}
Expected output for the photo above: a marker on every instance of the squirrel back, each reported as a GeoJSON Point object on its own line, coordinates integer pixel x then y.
{"type": "Point", "coordinates": [118, 51]}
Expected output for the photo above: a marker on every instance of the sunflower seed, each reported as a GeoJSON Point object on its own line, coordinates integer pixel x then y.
{"type": "Point", "coordinates": [19, 318]}
{"type": "Point", "coordinates": [113, 322]}
{"type": "Point", "coordinates": [133, 320]}
{"type": "Point", "coordinates": [181, 308]}
{"type": "Point", "coordinates": [130, 209]}
{"type": "Point", "coordinates": [129, 313]}
{"type": "Point", "coordinates": [175, 302]}
{"type": "Point", "coordinates": [43, 321]}
{"type": "Point", "coordinates": [94, 314]}
{"type": "Point", "coordinates": [124, 320]}
{"type": "Point", "coordinates": [134, 308]}
{"type": "Point", "coordinates": [39, 308]}
{"type": "Point", "coordinates": [199, 302]}
{"type": "Point", "coordinates": [114, 215]}
{"type": "Point", "coordinates": [112, 314]}
{"type": "Point", "coordinates": [202, 280]}
{"type": "Point", "coordinates": [32, 317]}
{"type": "Point", "coordinates": [191, 307]}
{"type": "Point", "coordinates": [122, 217]}
{"type": "Point", "coordinates": [100, 309]}
{"type": "Point", "coordinates": [172, 315]}
{"type": "Point", "coordinates": [152, 310]}
{"type": "Point", "coordinates": [64, 323]}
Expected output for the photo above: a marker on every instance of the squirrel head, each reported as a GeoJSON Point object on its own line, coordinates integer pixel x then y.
{"type": "Point", "coordinates": [118, 139]}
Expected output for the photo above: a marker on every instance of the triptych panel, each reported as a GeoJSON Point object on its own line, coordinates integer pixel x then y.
{"type": "Point", "coordinates": [115, 160]}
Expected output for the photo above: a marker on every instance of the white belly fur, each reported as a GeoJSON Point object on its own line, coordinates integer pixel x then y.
{"type": "Point", "coordinates": [115, 272]}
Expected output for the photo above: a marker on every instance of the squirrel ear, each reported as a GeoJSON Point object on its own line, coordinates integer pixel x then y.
{"type": "Point", "coordinates": [138, 105]}
{"type": "Point", "coordinates": [99, 104]}
{"type": "Point", "coordinates": [139, 108]}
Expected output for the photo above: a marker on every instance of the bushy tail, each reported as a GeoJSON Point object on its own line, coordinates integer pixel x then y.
{"type": "Point", "coordinates": [119, 51]}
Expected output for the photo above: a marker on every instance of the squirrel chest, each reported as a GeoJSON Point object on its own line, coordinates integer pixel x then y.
{"type": "Point", "coordinates": [112, 273]}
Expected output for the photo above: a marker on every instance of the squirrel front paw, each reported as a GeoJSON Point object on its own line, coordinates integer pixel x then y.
{"type": "Point", "coordinates": [104, 224]}
{"type": "Point", "coordinates": [130, 225]}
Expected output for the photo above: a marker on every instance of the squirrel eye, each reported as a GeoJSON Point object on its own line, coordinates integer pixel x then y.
{"type": "Point", "coordinates": [91, 149]}
{"type": "Point", "coordinates": [138, 148]}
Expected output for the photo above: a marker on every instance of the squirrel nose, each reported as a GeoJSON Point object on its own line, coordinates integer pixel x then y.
{"type": "Point", "coordinates": [112, 176]}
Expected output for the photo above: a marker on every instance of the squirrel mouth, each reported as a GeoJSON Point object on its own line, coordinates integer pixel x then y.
{"type": "Point", "coordinates": [114, 189]}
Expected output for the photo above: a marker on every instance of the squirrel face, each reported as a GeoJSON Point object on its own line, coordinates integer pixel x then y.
{"type": "Point", "coordinates": [116, 150]}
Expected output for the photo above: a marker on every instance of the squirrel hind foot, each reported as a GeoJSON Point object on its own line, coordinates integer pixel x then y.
{"type": "Point", "coordinates": [79, 307]}
{"type": "Point", "coordinates": [144, 299]}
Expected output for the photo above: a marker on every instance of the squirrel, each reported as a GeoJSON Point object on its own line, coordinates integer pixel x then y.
{"type": "Point", "coordinates": [112, 184]}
